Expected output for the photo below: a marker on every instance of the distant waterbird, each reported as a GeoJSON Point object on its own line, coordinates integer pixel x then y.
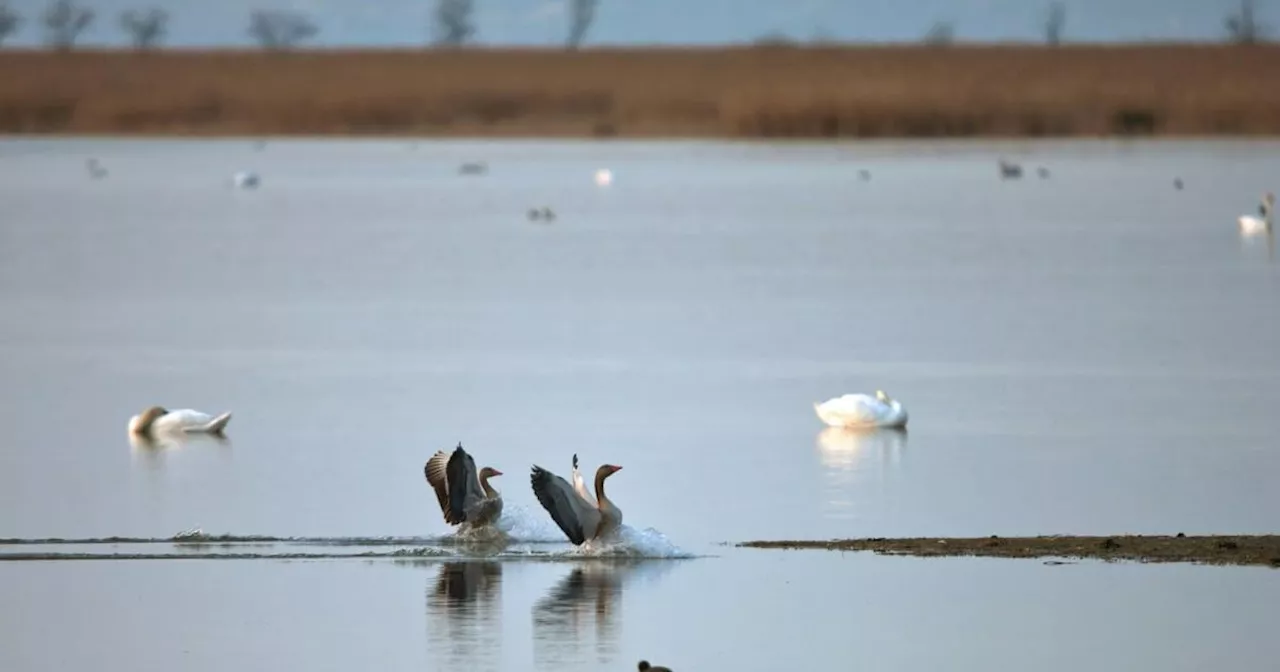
{"type": "Point", "coordinates": [604, 177]}
{"type": "Point", "coordinates": [858, 411]}
{"type": "Point", "coordinates": [245, 180]}
{"type": "Point", "coordinates": [159, 420]}
{"type": "Point", "coordinates": [544, 213]}
{"type": "Point", "coordinates": [1009, 170]}
{"type": "Point", "coordinates": [96, 171]}
{"type": "Point", "coordinates": [1260, 223]}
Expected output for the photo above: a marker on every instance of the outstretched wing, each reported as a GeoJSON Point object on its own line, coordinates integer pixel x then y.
{"type": "Point", "coordinates": [464, 484]}
{"type": "Point", "coordinates": [574, 517]}
{"type": "Point", "coordinates": [579, 484]}
{"type": "Point", "coordinates": [437, 478]}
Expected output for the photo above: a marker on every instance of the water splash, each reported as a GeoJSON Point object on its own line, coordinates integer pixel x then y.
{"type": "Point", "coordinates": [523, 524]}
{"type": "Point", "coordinates": [629, 542]}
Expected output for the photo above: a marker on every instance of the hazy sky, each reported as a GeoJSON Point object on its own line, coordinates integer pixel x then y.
{"type": "Point", "coordinates": [399, 22]}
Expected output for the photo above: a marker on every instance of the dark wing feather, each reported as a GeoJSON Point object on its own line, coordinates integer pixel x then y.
{"type": "Point", "coordinates": [553, 494]}
{"type": "Point", "coordinates": [463, 482]}
{"type": "Point", "coordinates": [437, 478]}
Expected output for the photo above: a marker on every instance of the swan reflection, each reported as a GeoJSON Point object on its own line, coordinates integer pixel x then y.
{"type": "Point", "coordinates": [152, 450]}
{"type": "Point", "coordinates": [854, 459]}
{"type": "Point", "coordinates": [588, 595]}
{"type": "Point", "coordinates": [464, 615]}
{"type": "Point", "coordinates": [848, 449]}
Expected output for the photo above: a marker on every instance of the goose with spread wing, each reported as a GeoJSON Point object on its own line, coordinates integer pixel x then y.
{"type": "Point", "coordinates": [465, 496]}
{"type": "Point", "coordinates": [571, 506]}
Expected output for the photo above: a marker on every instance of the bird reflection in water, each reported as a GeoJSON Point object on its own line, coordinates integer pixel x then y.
{"type": "Point", "coordinates": [152, 451]}
{"type": "Point", "coordinates": [852, 457]}
{"type": "Point", "coordinates": [464, 615]}
{"type": "Point", "coordinates": [591, 591]}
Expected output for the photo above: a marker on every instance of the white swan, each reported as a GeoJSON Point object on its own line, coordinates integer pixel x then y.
{"type": "Point", "coordinates": [861, 410]}
{"type": "Point", "coordinates": [1260, 223]}
{"type": "Point", "coordinates": [158, 420]}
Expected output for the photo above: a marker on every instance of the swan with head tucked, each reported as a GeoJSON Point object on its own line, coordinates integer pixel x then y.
{"type": "Point", "coordinates": [465, 496]}
{"type": "Point", "coordinates": [862, 411]}
{"type": "Point", "coordinates": [159, 420]}
{"type": "Point", "coordinates": [1260, 223]}
{"type": "Point", "coordinates": [571, 506]}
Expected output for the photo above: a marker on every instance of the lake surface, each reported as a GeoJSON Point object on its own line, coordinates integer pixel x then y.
{"type": "Point", "coordinates": [1091, 353]}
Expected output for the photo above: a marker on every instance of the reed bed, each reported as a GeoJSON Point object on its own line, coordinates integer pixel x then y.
{"type": "Point", "coordinates": [747, 92]}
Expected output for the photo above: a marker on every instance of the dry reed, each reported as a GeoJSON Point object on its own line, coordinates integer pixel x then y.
{"type": "Point", "coordinates": [749, 92]}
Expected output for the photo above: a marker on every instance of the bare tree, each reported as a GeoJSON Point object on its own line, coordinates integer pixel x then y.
{"type": "Point", "coordinates": [9, 21]}
{"type": "Point", "coordinates": [942, 33]}
{"type": "Point", "coordinates": [63, 23]}
{"type": "Point", "coordinates": [1054, 23]}
{"type": "Point", "coordinates": [453, 24]}
{"type": "Point", "coordinates": [279, 30]}
{"type": "Point", "coordinates": [1243, 28]}
{"type": "Point", "coordinates": [581, 15]}
{"type": "Point", "coordinates": [146, 29]}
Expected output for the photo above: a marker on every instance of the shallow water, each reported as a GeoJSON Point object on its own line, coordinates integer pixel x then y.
{"type": "Point", "coordinates": [1091, 353]}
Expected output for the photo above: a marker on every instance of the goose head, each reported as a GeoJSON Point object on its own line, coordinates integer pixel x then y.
{"type": "Point", "coordinates": [607, 470]}
{"type": "Point", "coordinates": [141, 423]}
{"type": "Point", "coordinates": [488, 473]}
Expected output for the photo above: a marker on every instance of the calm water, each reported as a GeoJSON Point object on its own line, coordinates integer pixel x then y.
{"type": "Point", "coordinates": [1091, 353]}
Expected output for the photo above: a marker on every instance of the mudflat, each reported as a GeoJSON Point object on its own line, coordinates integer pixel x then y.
{"type": "Point", "coordinates": [910, 91]}
{"type": "Point", "coordinates": [1212, 549]}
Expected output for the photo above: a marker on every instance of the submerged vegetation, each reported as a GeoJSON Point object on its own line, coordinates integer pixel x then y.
{"type": "Point", "coordinates": [766, 91]}
{"type": "Point", "coordinates": [1213, 549]}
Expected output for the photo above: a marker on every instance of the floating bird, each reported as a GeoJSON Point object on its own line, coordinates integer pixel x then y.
{"type": "Point", "coordinates": [543, 213]}
{"type": "Point", "coordinates": [1010, 171]}
{"type": "Point", "coordinates": [604, 177]}
{"type": "Point", "coordinates": [158, 420]}
{"type": "Point", "coordinates": [1260, 223]}
{"type": "Point", "coordinates": [246, 180]}
{"type": "Point", "coordinates": [862, 411]}
{"type": "Point", "coordinates": [644, 666]}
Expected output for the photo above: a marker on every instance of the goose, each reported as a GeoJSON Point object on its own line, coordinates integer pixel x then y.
{"type": "Point", "coordinates": [158, 420]}
{"type": "Point", "coordinates": [96, 171]}
{"type": "Point", "coordinates": [473, 168]}
{"type": "Point", "coordinates": [246, 180]}
{"type": "Point", "coordinates": [572, 508]}
{"type": "Point", "coordinates": [465, 497]}
{"type": "Point", "coordinates": [1010, 171]}
{"type": "Point", "coordinates": [542, 213]}
{"type": "Point", "coordinates": [644, 666]}
{"type": "Point", "coordinates": [1260, 223]}
{"type": "Point", "coordinates": [862, 411]}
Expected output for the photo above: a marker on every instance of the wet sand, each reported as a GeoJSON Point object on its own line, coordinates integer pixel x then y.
{"type": "Point", "coordinates": [1213, 550]}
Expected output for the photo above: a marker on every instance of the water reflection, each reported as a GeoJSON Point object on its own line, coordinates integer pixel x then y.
{"type": "Point", "coordinates": [845, 449]}
{"type": "Point", "coordinates": [463, 615]}
{"type": "Point", "coordinates": [584, 606]}
{"type": "Point", "coordinates": [857, 464]}
{"type": "Point", "coordinates": [152, 450]}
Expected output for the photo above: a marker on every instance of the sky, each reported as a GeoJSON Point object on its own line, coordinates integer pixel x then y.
{"type": "Point", "coordinates": [202, 23]}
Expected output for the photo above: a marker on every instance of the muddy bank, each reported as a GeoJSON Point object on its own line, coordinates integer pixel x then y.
{"type": "Point", "coordinates": [1215, 550]}
{"type": "Point", "coordinates": [731, 92]}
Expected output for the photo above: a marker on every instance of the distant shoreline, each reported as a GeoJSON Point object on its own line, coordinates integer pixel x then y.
{"type": "Point", "coordinates": [1214, 549]}
{"type": "Point", "coordinates": [744, 93]}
